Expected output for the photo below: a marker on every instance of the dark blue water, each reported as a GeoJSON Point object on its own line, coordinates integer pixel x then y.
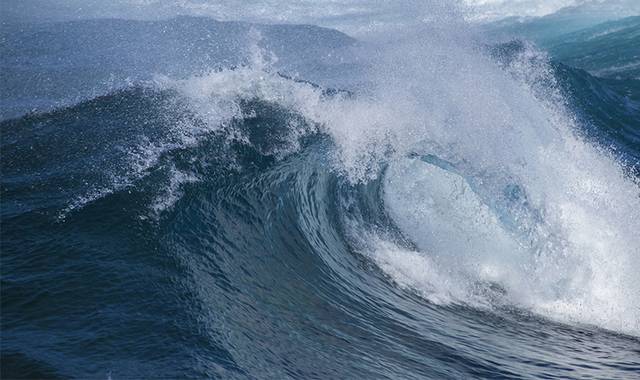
{"type": "Point", "coordinates": [147, 235]}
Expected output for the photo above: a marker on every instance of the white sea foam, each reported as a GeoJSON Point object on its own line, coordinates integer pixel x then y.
{"type": "Point", "coordinates": [566, 245]}
{"type": "Point", "coordinates": [522, 203]}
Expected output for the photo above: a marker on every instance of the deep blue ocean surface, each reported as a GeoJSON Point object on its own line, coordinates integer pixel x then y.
{"type": "Point", "coordinates": [184, 197]}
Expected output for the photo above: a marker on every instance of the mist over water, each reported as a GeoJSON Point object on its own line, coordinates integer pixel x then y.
{"type": "Point", "coordinates": [398, 198]}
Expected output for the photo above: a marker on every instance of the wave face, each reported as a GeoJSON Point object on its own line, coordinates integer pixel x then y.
{"type": "Point", "coordinates": [416, 204]}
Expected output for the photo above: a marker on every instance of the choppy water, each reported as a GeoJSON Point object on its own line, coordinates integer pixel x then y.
{"type": "Point", "coordinates": [189, 198]}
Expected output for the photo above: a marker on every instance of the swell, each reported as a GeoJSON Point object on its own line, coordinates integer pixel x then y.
{"type": "Point", "coordinates": [264, 238]}
{"type": "Point", "coordinates": [180, 206]}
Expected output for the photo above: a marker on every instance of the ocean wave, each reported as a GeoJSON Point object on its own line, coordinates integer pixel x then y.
{"type": "Point", "coordinates": [530, 197]}
{"type": "Point", "coordinates": [449, 214]}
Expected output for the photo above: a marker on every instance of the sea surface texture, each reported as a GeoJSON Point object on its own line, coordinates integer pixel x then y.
{"type": "Point", "coordinates": [320, 189]}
